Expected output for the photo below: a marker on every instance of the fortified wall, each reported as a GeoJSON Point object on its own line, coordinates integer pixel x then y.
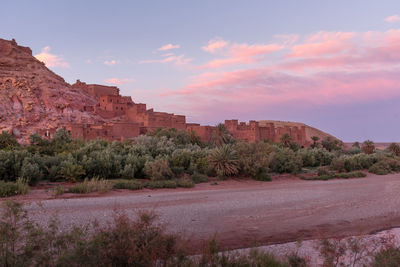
{"type": "Point", "coordinates": [253, 131]}
{"type": "Point", "coordinates": [127, 119]}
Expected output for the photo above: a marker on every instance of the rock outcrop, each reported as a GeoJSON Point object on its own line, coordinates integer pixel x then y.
{"type": "Point", "coordinates": [33, 97]}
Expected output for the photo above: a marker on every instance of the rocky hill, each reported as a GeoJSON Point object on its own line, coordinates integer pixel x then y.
{"type": "Point", "coordinates": [33, 97]}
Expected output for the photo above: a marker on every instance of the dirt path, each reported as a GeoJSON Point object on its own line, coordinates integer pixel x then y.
{"type": "Point", "coordinates": [250, 213]}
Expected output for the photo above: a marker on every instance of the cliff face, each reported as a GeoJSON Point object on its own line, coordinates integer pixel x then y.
{"type": "Point", "coordinates": [33, 97]}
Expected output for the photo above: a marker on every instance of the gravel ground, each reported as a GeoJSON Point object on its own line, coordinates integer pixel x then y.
{"type": "Point", "coordinates": [247, 213]}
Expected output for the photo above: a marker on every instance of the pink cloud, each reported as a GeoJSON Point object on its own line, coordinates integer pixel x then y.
{"type": "Point", "coordinates": [169, 58]}
{"type": "Point", "coordinates": [117, 81]}
{"type": "Point", "coordinates": [323, 43]}
{"type": "Point", "coordinates": [111, 62]}
{"type": "Point", "coordinates": [168, 47]}
{"type": "Point", "coordinates": [242, 54]}
{"type": "Point", "coordinates": [324, 69]}
{"type": "Point", "coordinates": [393, 19]}
{"type": "Point", "coordinates": [214, 45]}
{"type": "Point", "coordinates": [51, 60]}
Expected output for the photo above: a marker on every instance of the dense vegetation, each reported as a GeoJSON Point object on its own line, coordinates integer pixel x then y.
{"type": "Point", "coordinates": [181, 159]}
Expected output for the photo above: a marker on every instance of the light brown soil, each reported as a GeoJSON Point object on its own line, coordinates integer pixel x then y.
{"type": "Point", "coordinates": [244, 213]}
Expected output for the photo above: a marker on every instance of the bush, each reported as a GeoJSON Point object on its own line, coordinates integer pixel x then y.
{"type": "Point", "coordinates": [123, 242]}
{"type": "Point", "coordinates": [254, 158]}
{"type": "Point", "coordinates": [323, 171]}
{"type": "Point", "coordinates": [262, 175]}
{"type": "Point", "coordinates": [127, 184]}
{"type": "Point", "coordinates": [224, 160]}
{"type": "Point", "coordinates": [161, 184]}
{"type": "Point", "coordinates": [385, 165]}
{"type": "Point", "coordinates": [324, 176]}
{"type": "Point", "coordinates": [8, 141]}
{"type": "Point", "coordinates": [388, 257]}
{"type": "Point", "coordinates": [185, 183]}
{"type": "Point", "coordinates": [8, 189]}
{"type": "Point", "coordinates": [198, 178]}
{"type": "Point", "coordinates": [58, 190]}
{"type": "Point", "coordinates": [285, 161]}
{"type": "Point", "coordinates": [353, 162]}
{"type": "Point", "coordinates": [93, 185]}
{"type": "Point", "coordinates": [158, 169]}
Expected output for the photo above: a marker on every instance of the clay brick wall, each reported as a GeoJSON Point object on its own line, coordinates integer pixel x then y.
{"type": "Point", "coordinates": [96, 90]}
{"type": "Point", "coordinates": [205, 132]}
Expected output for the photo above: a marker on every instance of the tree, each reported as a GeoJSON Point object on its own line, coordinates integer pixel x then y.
{"type": "Point", "coordinates": [221, 135]}
{"type": "Point", "coordinates": [356, 145]}
{"type": "Point", "coordinates": [224, 160]}
{"type": "Point", "coordinates": [368, 147]}
{"type": "Point", "coordinates": [8, 141]}
{"type": "Point", "coordinates": [394, 148]}
{"type": "Point", "coordinates": [330, 144]}
{"type": "Point", "coordinates": [315, 140]}
{"type": "Point", "coordinates": [286, 139]}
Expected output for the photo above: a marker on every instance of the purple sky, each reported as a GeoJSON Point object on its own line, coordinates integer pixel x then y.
{"type": "Point", "coordinates": [331, 64]}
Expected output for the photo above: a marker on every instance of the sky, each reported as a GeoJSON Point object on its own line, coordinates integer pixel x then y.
{"type": "Point", "coordinates": [334, 65]}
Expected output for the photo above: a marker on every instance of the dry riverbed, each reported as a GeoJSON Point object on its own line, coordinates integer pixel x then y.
{"type": "Point", "coordinates": [242, 213]}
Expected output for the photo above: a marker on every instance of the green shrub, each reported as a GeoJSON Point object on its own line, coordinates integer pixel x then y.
{"type": "Point", "coordinates": [346, 175]}
{"type": "Point", "coordinates": [328, 176]}
{"type": "Point", "coordinates": [158, 169]}
{"type": "Point", "coordinates": [385, 165]}
{"type": "Point", "coordinates": [353, 162]}
{"type": "Point", "coordinates": [285, 160]}
{"type": "Point", "coordinates": [127, 184]}
{"type": "Point", "coordinates": [31, 172]}
{"type": "Point", "coordinates": [161, 184]}
{"type": "Point", "coordinates": [262, 175]}
{"type": "Point", "coordinates": [254, 158]}
{"type": "Point", "coordinates": [22, 186]}
{"type": "Point", "coordinates": [198, 178]}
{"type": "Point", "coordinates": [93, 185]}
{"type": "Point", "coordinates": [8, 189]}
{"type": "Point", "coordinates": [387, 257]}
{"type": "Point", "coordinates": [323, 171]}
{"type": "Point", "coordinates": [185, 183]}
{"type": "Point", "coordinates": [8, 141]}
{"type": "Point", "coordinates": [58, 190]}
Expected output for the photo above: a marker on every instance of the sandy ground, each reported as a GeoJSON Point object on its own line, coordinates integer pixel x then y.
{"type": "Point", "coordinates": [246, 213]}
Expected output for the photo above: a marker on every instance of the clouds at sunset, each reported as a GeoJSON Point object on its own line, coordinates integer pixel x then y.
{"type": "Point", "coordinates": [111, 62]}
{"type": "Point", "coordinates": [320, 69]}
{"type": "Point", "coordinates": [233, 54]}
{"type": "Point", "coordinates": [52, 60]}
{"type": "Point", "coordinates": [168, 47]}
{"type": "Point", "coordinates": [393, 19]}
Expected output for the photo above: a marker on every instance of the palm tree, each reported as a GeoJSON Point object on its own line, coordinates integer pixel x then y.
{"type": "Point", "coordinates": [221, 135]}
{"type": "Point", "coordinates": [356, 145]}
{"type": "Point", "coordinates": [315, 140]}
{"type": "Point", "coordinates": [286, 139]}
{"type": "Point", "coordinates": [224, 160]}
{"type": "Point", "coordinates": [394, 148]}
{"type": "Point", "coordinates": [368, 147]}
